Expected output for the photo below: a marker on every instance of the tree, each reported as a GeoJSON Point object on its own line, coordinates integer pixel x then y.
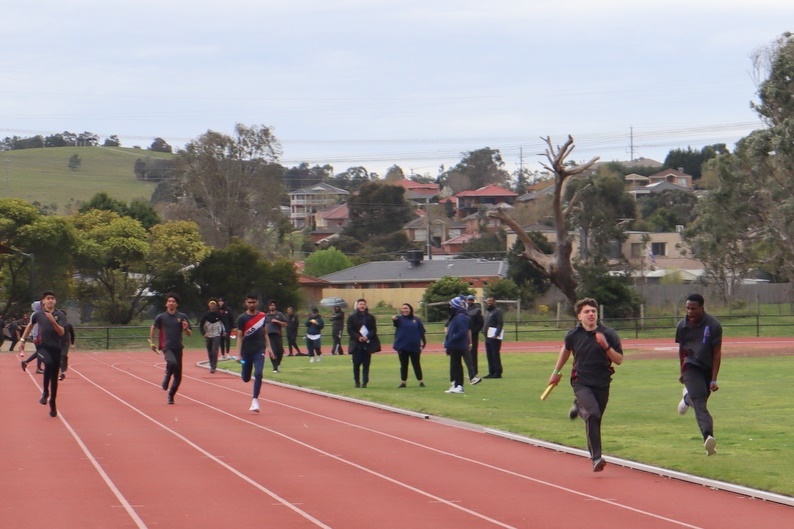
{"type": "Point", "coordinates": [32, 247]}
{"type": "Point", "coordinates": [230, 185]}
{"type": "Point", "coordinates": [377, 209]}
{"type": "Point", "coordinates": [442, 291]}
{"type": "Point", "coordinates": [531, 282]}
{"type": "Point", "coordinates": [489, 246]}
{"type": "Point", "coordinates": [556, 266]}
{"type": "Point", "coordinates": [117, 260]}
{"type": "Point", "coordinates": [137, 209]}
{"type": "Point", "coordinates": [75, 162]}
{"type": "Point", "coordinates": [305, 176]}
{"type": "Point", "coordinates": [728, 250]}
{"type": "Point", "coordinates": [394, 174]}
{"type": "Point", "coordinates": [603, 209]}
{"type": "Point", "coordinates": [502, 288]}
{"type": "Point", "coordinates": [324, 262]}
{"type": "Point", "coordinates": [668, 209]}
{"type": "Point", "coordinates": [160, 145]}
{"type": "Point", "coordinates": [238, 269]}
{"type": "Point", "coordinates": [112, 141]}
{"type": "Point", "coordinates": [477, 169]}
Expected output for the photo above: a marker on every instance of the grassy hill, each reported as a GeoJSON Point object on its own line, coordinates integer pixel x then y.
{"type": "Point", "coordinates": [44, 176]}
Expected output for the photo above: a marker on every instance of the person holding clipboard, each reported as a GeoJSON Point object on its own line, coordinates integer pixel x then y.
{"type": "Point", "coordinates": [493, 329]}
{"type": "Point", "coordinates": [363, 331]}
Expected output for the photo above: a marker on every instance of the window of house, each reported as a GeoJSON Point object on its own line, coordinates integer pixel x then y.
{"type": "Point", "coordinates": [659, 248]}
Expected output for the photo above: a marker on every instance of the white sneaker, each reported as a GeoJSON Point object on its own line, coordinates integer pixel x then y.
{"type": "Point", "coordinates": [476, 380]}
{"type": "Point", "coordinates": [319, 358]}
{"type": "Point", "coordinates": [457, 389]}
{"type": "Point", "coordinates": [311, 360]}
{"type": "Point", "coordinates": [254, 406]}
{"type": "Point", "coordinates": [683, 406]}
{"type": "Point", "coordinates": [710, 445]}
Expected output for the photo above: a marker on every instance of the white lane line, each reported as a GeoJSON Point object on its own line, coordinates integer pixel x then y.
{"type": "Point", "coordinates": [426, 447]}
{"type": "Point", "coordinates": [203, 452]}
{"type": "Point", "coordinates": [384, 477]}
{"type": "Point", "coordinates": [101, 471]}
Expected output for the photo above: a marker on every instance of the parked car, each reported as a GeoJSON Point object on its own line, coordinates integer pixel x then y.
{"type": "Point", "coordinates": [333, 302]}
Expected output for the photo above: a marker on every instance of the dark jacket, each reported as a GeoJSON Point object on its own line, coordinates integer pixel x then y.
{"type": "Point", "coordinates": [337, 321]}
{"type": "Point", "coordinates": [354, 323]}
{"type": "Point", "coordinates": [493, 318]}
{"type": "Point", "coordinates": [457, 337]}
{"type": "Point", "coordinates": [475, 318]}
{"type": "Point", "coordinates": [409, 334]}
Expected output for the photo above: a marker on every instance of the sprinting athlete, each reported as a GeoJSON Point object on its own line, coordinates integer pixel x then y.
{"type": "Point", "coordinates": [251, 346]}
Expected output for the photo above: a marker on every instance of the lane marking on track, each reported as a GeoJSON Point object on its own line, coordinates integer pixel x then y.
{"type": "Point", "coordinates": [450, 503]}
{"type": "Point", "coordinates": [384, 477]}
{"type": "Point", "coordinates": [250, 481]}
{"type": "Point", "coordinates": [101, 471]}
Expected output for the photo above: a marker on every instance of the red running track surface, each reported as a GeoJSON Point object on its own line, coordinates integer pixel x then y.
{"type": "Point", "coordinates": [118, 456]}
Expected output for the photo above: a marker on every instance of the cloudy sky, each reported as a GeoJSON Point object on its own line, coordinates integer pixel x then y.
{"type": "Point", "coordinates": [383, 82]}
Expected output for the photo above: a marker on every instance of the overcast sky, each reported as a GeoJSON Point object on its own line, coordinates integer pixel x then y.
{"type": "Point", "coordinates": [384, 82]}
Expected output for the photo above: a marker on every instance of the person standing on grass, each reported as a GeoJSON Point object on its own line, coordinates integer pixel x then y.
{"type": "Point", "coordinates": [227, 318]}
{"type": "Point", "coordinates": [699, 339]}
{"type": "Point", "coordinates": [337, 326]}
{"type": "Point", "coordinates": [457, 343]}
{"type": "Point", "coordinates": [595, 348]}
{"type": "Point", "coordinates": [409, 341]}
{"type": "Point", "coordinates": [275, 321]}
{"type": "Point", "coordinates": [292, 332]}
{"type": "Point", "coordinates": [212, 329]}
{"type": "Point", "coordinates": [251, 346]}
{"type": "Point", "coordinates": [314, 327]}
{"type": "Point", "coordinates": [363, 331]}
{"type": "Point", "coordinates": [476, 323]}
{"type": "Point", "coordinates": [171, 325]}
{"type": "Point", "coordinates": [50, 324]}
{"type": "Point", "coordinates": [493, 328]}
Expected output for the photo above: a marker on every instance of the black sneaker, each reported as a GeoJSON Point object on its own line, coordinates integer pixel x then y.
{"type": "Point", "coordinates": [358, 385]}
{"type": "Point", "coordinates": [39, 371]}
{"type": "Point", "coordinates": [599, 464]}
{"type": "Point", "coordinates": [53, 412]}
{"type": "Point", "coordinates": [24, 365]}
{"type": "Point", "coordinates": [61, 376]}
{"type": "Point", "coordinates": [170, 399]}
{"type": "Point", "coordinates": [44, 398]}
{"type": "Point", "coordinates": [402, 385]}
{"type": "Point", "coordinates": [573, 413]}
{"type": "Point", "coordinates": [164, 385]}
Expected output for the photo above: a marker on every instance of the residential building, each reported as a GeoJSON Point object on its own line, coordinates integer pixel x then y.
{"type": "Point", "coordinates": [396, 282]}
{"type": "Point", "coordinates": [470, 201]}
{"type": "Point", "coordinates": [306, 202]}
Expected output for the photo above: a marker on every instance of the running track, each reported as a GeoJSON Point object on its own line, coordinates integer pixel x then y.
{"type": "Point", "coordinates": [118, 456]}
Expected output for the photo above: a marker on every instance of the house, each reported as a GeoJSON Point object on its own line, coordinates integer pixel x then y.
{"type": "Point", "coordinates": [470, 201]}
{"type": "Point", "coordinates": [547, 231]}
{"type": "Point", "coordinates": [417, 192]}
{"type": "Point", "coordinates": [673, 176]}
{"type": "Point", "coordinates": [441, 229]}
{"type": "Point", "coordinates": [330, 222]}
{"type": "Point", "coordinates": [657, 187]}
{"type": "Point", "coordinates": [397, 282]}
{"type": "Point", "coordinates": [307, 201]}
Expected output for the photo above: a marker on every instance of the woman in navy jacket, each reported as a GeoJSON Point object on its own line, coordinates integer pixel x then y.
{"type": "Point", "coordinates": [409, 340]}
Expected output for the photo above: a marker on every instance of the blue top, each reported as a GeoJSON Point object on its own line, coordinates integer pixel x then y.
{"type": "Point", "coordinates": [458, 332]}
{"type": "Point", "coordinates": [409, 334]}
{"type": "Point", "coordinates": [314, 328]}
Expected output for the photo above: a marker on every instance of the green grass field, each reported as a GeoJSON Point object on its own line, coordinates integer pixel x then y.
{"type": "Point", "coordinates": [43, 175]}
{"type": "Point", "coordinates": [751, 411]}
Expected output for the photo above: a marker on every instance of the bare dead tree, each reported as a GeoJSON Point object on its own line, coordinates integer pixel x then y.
{"type": "Point", "coordinates": [557, 266]}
